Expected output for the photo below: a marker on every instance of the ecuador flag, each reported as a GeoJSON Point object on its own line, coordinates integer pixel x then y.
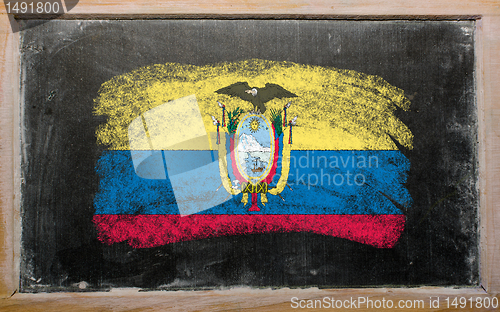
{"type": "Point", "coordinates": [301, 148]}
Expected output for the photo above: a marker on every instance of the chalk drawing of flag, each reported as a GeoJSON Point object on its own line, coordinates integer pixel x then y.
{"type": "Point", "coordinates": [161, 177]}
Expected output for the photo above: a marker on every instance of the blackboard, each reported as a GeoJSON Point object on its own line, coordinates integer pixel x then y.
{"type": "Point", "coordinates": [65, 68]}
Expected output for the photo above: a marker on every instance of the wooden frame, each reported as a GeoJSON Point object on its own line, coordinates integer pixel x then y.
{"type": "Point", "coordinates": [487, 14]}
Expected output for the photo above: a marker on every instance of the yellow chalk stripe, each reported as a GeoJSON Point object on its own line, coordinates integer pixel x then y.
{"type": "Point", "coordinates": [337, 109]}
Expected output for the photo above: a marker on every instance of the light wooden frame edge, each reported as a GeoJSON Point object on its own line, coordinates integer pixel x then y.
{"type": "Point", "coordinates": [487, 14]}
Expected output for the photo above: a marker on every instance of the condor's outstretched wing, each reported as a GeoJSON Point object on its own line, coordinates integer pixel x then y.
{"type": "Point", "coordinates": [237, 89]}
{"type": "Point", "coordinates": [272, 90]}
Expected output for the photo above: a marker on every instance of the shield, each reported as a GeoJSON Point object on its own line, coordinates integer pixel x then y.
{"type": "Point", "coordinates": [254, 153]}
{"type": "Point", "coordinates": [254, 148]}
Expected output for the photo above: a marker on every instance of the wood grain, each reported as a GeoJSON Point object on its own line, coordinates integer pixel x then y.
{"type": "Point", "coordinates": [239, 299]}
{"type": "Point", "coordinates": [296, 7]}
{"type": "Point", "coordinates": [8, 91]}
{"type": "Point", "coordinates": [488, 78]}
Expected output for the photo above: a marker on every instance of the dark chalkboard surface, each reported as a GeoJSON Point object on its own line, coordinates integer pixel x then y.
{"type": "Point", "coordinates": [72, 69]}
